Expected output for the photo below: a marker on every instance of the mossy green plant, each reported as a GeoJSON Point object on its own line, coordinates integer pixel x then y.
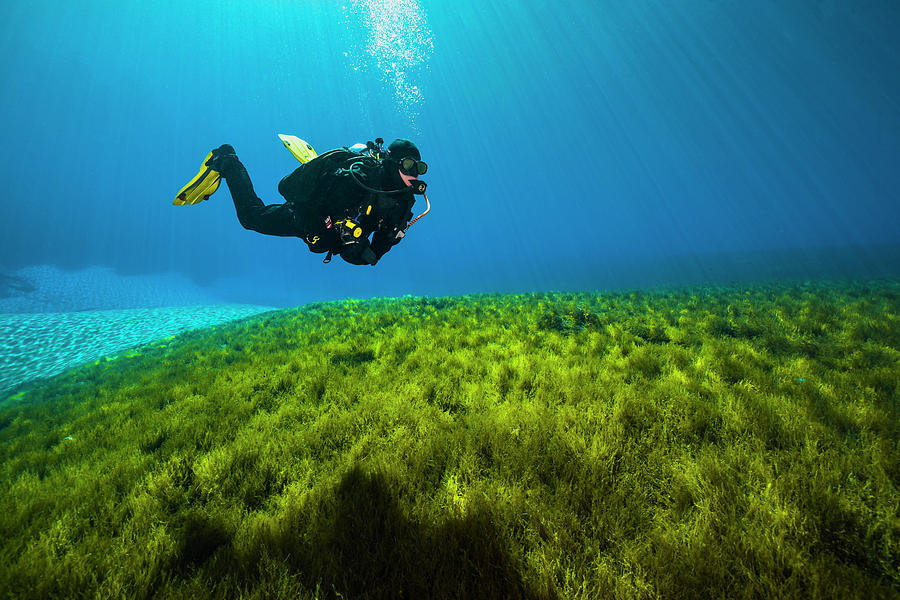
{"type": "Point", "coordinates": [720, 442]}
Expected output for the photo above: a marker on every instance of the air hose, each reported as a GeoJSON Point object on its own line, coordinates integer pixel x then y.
{"type": "Point", "coordinates": [418, 188]}
{"type": "Point", "coordinates": [428, 207]}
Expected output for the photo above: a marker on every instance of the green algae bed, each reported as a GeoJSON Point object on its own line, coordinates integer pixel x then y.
{"type": "Point", "coordinates": [713, 443]}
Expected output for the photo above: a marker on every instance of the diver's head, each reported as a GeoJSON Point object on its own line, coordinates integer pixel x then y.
{"type": "Point", "coordinates": [404, 162]}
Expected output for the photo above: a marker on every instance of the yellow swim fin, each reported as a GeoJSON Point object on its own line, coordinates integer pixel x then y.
{"type": "Point", "coordinates": [301, 150]}
{"type": "Point", "coordinates": [201, 187]}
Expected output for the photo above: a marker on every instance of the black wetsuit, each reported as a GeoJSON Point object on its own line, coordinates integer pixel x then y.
{"type": "Point", "coordinates": [321, 195]}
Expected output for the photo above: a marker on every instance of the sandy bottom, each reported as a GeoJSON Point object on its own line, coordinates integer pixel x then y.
{"type": "Point", "coordinates": [38, 345]}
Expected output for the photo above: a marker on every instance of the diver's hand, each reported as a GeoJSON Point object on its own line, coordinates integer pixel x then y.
{"type": "Point", "coordinates": [357, 254]}
{"type": "Point", "coordinates": [223, 159]}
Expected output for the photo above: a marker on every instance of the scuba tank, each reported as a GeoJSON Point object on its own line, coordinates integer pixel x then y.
{"type": "Point", "coordinates": [370, 148]}
{"type": "Point", "coordinates": [375, 150]}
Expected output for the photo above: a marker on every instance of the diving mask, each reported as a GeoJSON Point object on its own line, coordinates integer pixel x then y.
{"type": "Point", "coordinates": [413, 167]}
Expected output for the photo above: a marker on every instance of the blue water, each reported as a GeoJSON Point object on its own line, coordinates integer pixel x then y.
{"type": "Point", "coordinates": [571, 145]}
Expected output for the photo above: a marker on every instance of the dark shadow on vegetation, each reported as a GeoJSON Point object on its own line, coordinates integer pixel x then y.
{"type": "Point", "coordinates": [153, 442]}
{"type": "Point", "coordinates": [360, 543]}
{"type": "Point", "coordinates": [199, 537]}
{"type": "Point", "coordinates": [353, 358]}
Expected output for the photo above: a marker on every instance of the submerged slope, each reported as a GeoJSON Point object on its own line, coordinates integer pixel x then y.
{"type": "Point", "coordinates": [694, 442]}
{"type": "Point", "coordinates": [36, 345]}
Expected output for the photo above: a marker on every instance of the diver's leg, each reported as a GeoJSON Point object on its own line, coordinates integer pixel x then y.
{"type": "Point", "coordinates": [274, 219]}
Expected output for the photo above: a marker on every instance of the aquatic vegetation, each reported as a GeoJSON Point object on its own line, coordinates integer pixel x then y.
{"type": "Point", "coordinates": [727, 442]}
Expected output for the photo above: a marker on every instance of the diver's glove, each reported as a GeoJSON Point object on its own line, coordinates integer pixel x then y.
{"type": "Point", "coordinates": [357, 254]}
{"type": "Point", "coordinates": [368, 256]}
{"type": "Point", "coordinates": [223, 159]}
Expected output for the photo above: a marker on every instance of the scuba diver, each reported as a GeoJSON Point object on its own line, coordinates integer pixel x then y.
{"type": "Point", "coordinates": [333, 201]}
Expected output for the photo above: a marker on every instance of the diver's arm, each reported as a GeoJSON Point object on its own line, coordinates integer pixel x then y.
{"type": "Point", "coordinates": [391, 232]}
{"type": "Point", "coordinates": [384, 240]}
